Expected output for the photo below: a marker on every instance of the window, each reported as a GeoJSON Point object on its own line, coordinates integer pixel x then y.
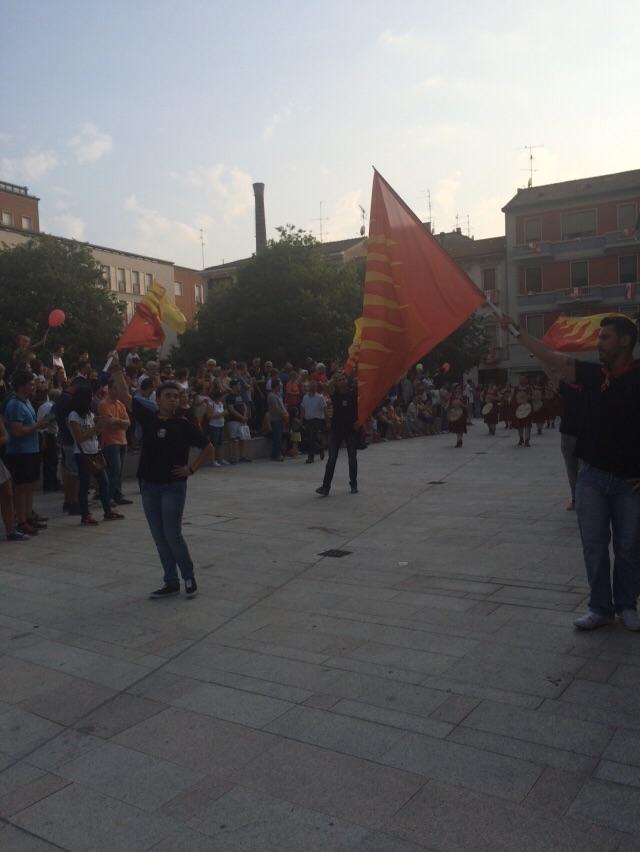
{"type": "Point", "coordinates": [532, 229]}
{"type": "Point", "coordinates": [26, 223]}
{"type": "Point", "coordinates": [122, 281]}
{"type": "Point", "coordinates": [533, 280]}
{"type": "Point", "coordinates": [628, 269]}
{"type": "Point", "coordinates": [488, 279]}
{"type": "Point", "coordinates": [135, 281]}
{"type": "Point", "coordinates": [199, 298]}
{"type": "Point", "coordinates": [7, 218]}
{"type": "Point", "coordinates": [582, 223]}
{"type": "Point", "coordinates": [148, 281]}
{"type": "Point", "coordinates": [627, 215]}
{"type": "Point", "coordinates": [580, 273]}
{"type": "Point", "coordinates": [106, 274]}
{"type": "Point", "coordinates": [177, 288]}
{"type": "Point", "coordinates": [535, 324]}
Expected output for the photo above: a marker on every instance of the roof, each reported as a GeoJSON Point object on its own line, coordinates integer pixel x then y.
{"type": "Point", "coordinates": [334, 247]}
{"type": "Point", "coordinates": [573, 189]}
{"type": "Point", "coordinates": [14, 189]}
{"type": "Point", "coordinates": [480, 248]}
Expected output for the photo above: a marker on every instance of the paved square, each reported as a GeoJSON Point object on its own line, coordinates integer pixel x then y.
{"type": "Point", "coordinates": [424, 692]}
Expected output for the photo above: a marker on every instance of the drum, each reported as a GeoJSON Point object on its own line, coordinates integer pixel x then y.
{"type": "Point", "coordinates": [487, 408]}
{"type": "Point", "coordinates": [523, 411]}
{"type": "Point", "coordinates": [454, 414]}
{"type": "Point", "coordinates": [522, 397]}
{"type": "Point", "coordinates": [537, 405]}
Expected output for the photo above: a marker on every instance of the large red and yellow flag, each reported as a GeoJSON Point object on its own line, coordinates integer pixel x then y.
{"type": "Point", "coordinates": [415, 295]}
{"type": "Point", "coordinates": [576, 334]}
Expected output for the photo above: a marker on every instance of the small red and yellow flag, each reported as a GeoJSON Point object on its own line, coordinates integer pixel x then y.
{"type": "Point", "coordinates": [576, 334]}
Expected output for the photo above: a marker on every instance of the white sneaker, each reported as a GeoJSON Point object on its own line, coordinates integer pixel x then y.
{"type": "Point", "coordinates": [224, 461]}
{"type": "Point", "coordinates": [592, 620]}
{"type": "Point", "coordinates": [217, 464]}
{"type": "Point", "coordinates": [630, 619]}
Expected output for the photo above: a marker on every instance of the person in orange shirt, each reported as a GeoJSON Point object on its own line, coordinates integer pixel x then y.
{"type": "Point", "coordinates": [114, 442]}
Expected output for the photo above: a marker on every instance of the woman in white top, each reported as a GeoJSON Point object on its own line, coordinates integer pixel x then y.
{"type": "Point", "coordinates": [84, 430]}
{"type": "Point", "coordinates": [216, 413]}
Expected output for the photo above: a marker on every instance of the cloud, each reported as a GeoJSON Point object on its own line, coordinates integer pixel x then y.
{"type": "Point", "coordinates": [31, 167]}
{"type": "Point", "coordinates": [341, 220]}
{"type": "Point", "coordinates": [444, 199]}
{"type": "Point", "coordinates": [442, 133]}
{"type": "Point", "coordinates": [433, 81]}
{"type": "Point", "coordinates": [68, 226]}
{"type": "Point", "coordinates": [268, 131]}
{"type": "Point", "coordinates": [412, 43]}
{"type": "Point", "coordinates": [4, 136]}
{"type": "Point", "coordinates": [161, 236]}
{"type": "Point", "coordinates": [230, 188]}
{"type": "Point", "coordinates": [90, 144]}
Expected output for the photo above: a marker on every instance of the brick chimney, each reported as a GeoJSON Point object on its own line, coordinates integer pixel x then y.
{"type": "Point", "coordinates": [261, 227]}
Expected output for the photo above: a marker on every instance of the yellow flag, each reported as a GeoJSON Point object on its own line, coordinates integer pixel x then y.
{"type": "Point", "coordinates": [156, 300]}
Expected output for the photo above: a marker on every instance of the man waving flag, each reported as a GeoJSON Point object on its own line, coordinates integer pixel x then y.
{"type": "Point", "coordinates": [415, 295]}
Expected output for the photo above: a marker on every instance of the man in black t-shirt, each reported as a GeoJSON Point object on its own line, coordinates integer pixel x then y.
{"type": "Point", "coordinates": [344, 427]}
{"type": "Point", "coordinates": [608, 485]}
{"type": "Point", "coordinates": [163, 472]}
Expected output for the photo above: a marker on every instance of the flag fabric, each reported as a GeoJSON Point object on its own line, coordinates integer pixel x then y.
{"type": "Point", "coordinates": [576, 334]}
{"type": "Point", "coordinates": [156, 299]}
{"type": "Point", "coordinates": [415, 295]}
{"type": "Point", "coordinates": [144, 329]}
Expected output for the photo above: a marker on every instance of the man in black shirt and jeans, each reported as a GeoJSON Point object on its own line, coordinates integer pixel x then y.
{"type": "Point", "coordinates": [163, 472]}
{"type": "Point", "coordinates": [344, 427]}
{"type": "Point", "coordinates": [608, 486]}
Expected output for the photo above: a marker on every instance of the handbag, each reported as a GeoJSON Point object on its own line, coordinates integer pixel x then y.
{"type": "Point", "coordinates": [245, 433]}
{"type": "Point", "coordinates": [94, 463]}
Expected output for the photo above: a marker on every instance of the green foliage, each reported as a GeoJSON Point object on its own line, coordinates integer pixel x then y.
{"type": "Point", "coordinates": [462, 350]}
{"type": "Point", "coordinates": [287, 303]}
{"type": "Point", "coordinates": [47, 273]}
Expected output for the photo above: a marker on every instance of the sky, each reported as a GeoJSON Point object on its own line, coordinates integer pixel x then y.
{"type": "Point", "coordinates": [138, 124]}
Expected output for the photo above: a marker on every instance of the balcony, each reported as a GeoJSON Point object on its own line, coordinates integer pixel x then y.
{"type": "Point", "coordinates": [596, 296]}
{"type": "Point", "coordinates": [578, 247]}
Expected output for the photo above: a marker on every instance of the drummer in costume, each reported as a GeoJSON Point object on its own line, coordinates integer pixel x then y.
{"type": "Point", "coordinates": [490, 409]}
{"type": "Point", "coordinates": [522, 411]}
{"type": "Point", "coordinates": [457, 416]}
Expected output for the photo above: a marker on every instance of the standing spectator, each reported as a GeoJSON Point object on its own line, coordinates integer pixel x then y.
{"type": "Point", "coordinates": [236, 418]}
{"type": "Point", "coordinates": [56, 359]}
{"type": "Point", "coordinates": [49, 445]}
{"type": "Point", "coordinates": [7, 509]}
{"type": "Point", "coordinates": [84, 429]}
{"type": "Point", "coordinates": [115, 422]}
{"type": "Point", "coordinates": [216, 413]}
{"type": "Point", "coordinates": [23, 450]}
{"type": "Point", "coordinates": [344, 427]}
{"type": "Point", "coordinates": [278, 416]}
{"type": "Point", "coordinates": [313, 414]}
{"type": "Point", "coordinates": [469, 397]}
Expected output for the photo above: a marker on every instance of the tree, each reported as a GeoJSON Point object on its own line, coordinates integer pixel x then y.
{"type": "Point", "coordinates": [287, 303]}
{"type": "Point", "coordinates": [46, 273]}
{"type": "Point", "coordinates": [462, 350]}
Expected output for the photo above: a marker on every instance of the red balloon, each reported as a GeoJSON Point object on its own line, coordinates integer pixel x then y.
{"type": "Point", "coordinates": [56, 318]}
{"type": "Point", "coordinates": [446, 367]}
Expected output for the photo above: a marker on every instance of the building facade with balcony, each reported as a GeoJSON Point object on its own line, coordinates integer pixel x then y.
{"type": "Point", "coordinates": [572, 248]}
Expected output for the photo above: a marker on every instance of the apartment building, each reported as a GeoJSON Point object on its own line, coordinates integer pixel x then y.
{"type": "Point", "coordinates": [18, 209]}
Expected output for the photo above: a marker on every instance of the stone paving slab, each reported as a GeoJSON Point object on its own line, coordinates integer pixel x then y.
{"type": "Point", "coordinates": [425, 692]}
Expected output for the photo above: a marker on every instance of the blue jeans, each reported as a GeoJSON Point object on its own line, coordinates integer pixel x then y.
{"type": "Point", "coordinates": [163, 504]}
{"type": "Point", "coordinates": [115, 454]}
{"type": "Point", "coordinates": [276, 438]}
{"type": "Point", "coordinates": [606, 504]}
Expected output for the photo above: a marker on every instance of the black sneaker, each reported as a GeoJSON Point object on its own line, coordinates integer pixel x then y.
{"type": "Point", "coordinates": [16, 535]}
{"type": "Point", "coordinates": [323, 491]}
{"type": "Point", "coordinates": [190, 587]}
{"type": "Point", "coordinates": [354, 489]}
{"type": "Point", "coordinates": [122, 501]}
{"type": "Point", "coordinates": [165, 592]}
{"type": "Point", "coordinates": [245, 460]}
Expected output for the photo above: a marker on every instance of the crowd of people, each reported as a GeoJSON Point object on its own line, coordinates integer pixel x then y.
{"type": "Point", "coordinates": [69, 430]}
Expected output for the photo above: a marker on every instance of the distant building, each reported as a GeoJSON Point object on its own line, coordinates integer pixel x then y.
{"type": "Point", "coordinates": [572, 248]}
{"type": "Point", "coordinates": [18, 209]}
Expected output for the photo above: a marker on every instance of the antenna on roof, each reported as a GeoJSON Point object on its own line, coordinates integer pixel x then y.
{"type": "Point", "coordinates": [202, 244]}
{"type": "Point", "coordinates": [468, 225]}
{"type": "Point", "coordinates": [321, 219]}
{"type": "Point", "coordinates": [531, 170]}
